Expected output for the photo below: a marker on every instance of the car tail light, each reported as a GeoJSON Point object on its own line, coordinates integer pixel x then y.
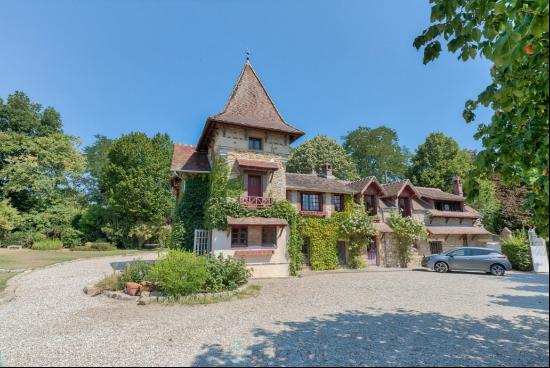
{"type": "Point", "coordinates": [502, 257]}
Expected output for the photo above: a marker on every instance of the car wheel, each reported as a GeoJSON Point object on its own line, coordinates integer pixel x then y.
{"type": "Point", "coordinates": [497, 270]}
{"type": "Point", "coordinates": [441, 267]}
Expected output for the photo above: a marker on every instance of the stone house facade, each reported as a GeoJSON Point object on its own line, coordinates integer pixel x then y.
{"type": "Point", "coordinates": [254, 140]}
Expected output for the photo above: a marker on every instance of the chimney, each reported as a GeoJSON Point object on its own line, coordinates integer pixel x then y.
{"type": "Point", "coordinates": [457, 186]}
{"type": "Point", "coordinates": [327, 171]}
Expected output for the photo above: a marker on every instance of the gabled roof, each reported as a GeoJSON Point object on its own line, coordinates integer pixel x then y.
{"type": "Point", "coordinates": [361, 185]}
{"type": "Point", "coordinates": [185, 158]}
{"type": "Point", "coordinates": [438, 194]}
{"type": "Point", "coordinates": [395, 189]}
{"type": "Point", "coordinates": [312, 182]}
{"type": "Point", "coordinates": [249, 105]}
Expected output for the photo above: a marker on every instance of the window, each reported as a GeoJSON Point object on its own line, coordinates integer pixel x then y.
{"type": "Point", "coordinates": [239, 236]}
{"type": "Point", "coordinates": [338, 202]}
{"type": "Point", "coordinates": [255, 144]}
{"type": "Point", "coordinates": [459, 253]}
{"type": "Point", "coordinates": [405, 207]}
{"type": "Point", "coordinates": [448, 206]}
{"type": "Point", "coordinates": [482, 252]}
{"type": "Point", "coordinates": [269, 236]}
{"type": "Point", "coordinates": [311, 202]}
{"type": "Point", "coordinates": [371, 205]}
{"type": "Point", "coordinates": [436, 247]}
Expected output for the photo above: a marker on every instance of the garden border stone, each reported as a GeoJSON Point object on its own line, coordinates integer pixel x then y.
{"type": "Point", "coordinates": [155, 297]}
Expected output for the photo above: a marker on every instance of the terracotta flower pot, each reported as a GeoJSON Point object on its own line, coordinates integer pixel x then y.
{"type": "Point", "coordinates": [133, 289]}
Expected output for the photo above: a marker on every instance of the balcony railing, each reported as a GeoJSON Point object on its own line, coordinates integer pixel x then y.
{"type": "Point", "coordinates": [256, 202]}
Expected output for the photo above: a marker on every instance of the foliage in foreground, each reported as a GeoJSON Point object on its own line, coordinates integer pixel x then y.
{"type": "Point", "coordinates": [225, 273]}
{"type": "Point", "coordinates": [514, 36]}
{"type": "Point", "coordinates": [516, 247]}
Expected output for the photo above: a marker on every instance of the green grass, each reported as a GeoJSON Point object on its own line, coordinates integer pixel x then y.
{"type": "Point", "coordinates": [47, 245]}
{"type": "Point", "coordinates": [4, 277]}
{"type": "Point", "coordinates": [30, 259]}
{"type": "Point", "coordinates": [249, 292]}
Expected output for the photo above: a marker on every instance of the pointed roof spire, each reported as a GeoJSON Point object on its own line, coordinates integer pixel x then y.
{"type": "Point", "coordinates": [249, 105]}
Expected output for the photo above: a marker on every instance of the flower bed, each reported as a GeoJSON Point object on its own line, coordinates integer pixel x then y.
{"type": "Point", "coordinates": [179, 276]}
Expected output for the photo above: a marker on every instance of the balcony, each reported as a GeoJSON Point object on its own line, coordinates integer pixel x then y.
{"type": "Point", "coordinates": [256, 202]}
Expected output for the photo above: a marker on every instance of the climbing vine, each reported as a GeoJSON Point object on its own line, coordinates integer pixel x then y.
{"type": "Point", "coordinates": [223, 202]}
{"type": "Point", "coordinates": [406, 231]}
{"type": "Point", "coordinates": [356, 227]}
{"type": "Point", "coordinates": [190, 211]}
{"type": "Point", "coordinates": [321, 235]}
{"type": "Point", "coordinates": [353, 225]}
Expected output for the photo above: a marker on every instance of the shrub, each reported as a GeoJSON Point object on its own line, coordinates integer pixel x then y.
{"type": "Point", "coordinates": [101, 246]}
{"type": "Point", "coordinates": [111, 282]}
{"type": "Point", "coordinates": [406, 231]}
{"type": "Point", "coordinates": [225, 273]}
{"type": "Point", "coordinates": [23, 238]}
{"type": "Point", "coordinates": [516, 247]}
{"type": "Point", "coordinates": [136, 272]}
{"type": "Point", "coordinates": [180, 273]}
{"type": "Point", "coordinates": [71, 237]}
{"type": "Point", "coordinates": [47, 245]}
{"type": "Point", "coordinates": [95, 247]}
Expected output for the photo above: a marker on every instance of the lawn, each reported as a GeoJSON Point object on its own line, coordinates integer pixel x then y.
{"type": "Point", "coordinates": [30, 259]}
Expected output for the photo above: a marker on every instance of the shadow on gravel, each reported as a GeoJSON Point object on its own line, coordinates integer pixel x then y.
{"type": "Point", "coordinates": [390, 339]}
{"type": "Point", "coordinates": [534, 285]}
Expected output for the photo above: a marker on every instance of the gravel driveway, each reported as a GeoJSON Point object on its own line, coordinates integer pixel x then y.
{"type": "Point", "coordinates": [356, 318]}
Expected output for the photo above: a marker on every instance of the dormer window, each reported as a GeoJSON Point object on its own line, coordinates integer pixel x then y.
{"type": "Point", "coordinates": [255, 144]}
{"type": "Point", "coordinates": [371, 204]}
{"type": "Point", "coordinates": [448, 206]}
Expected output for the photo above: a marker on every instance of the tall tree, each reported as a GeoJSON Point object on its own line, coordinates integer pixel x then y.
{"type": "Point", "coordinates": [438, 160]}
{"type": "Point", "coordinates": [377, 152]}
{"type": "Point", "coordinates": [135, 183]}
{"type": "Point", "coordinates": [96, 159]}
{"type": "Point", "coordinates": [40, 166]}
{"type": "Point", "coordinates": [488, 204]}
{"type": "Point", "coordinates": [514, 36]}
{"type": "Point", "coordinates": [312, 154]}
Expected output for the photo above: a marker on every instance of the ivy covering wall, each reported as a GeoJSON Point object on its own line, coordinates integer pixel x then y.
{"type": "Point", "coordinates": [321, 235]}
{"type": "Point", "coordinates": [353, 225]}
{"type": "Point", "coordinates": [189, 212]}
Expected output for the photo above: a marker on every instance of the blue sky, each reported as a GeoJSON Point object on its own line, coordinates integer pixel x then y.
{"type": "Point", "coordinates": [112, 67]}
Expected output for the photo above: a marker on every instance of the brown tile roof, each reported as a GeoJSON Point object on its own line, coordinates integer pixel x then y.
{"type": "Point", "coordinates": [246, 221]}
{"type": "Point", "coordinates": [250, 106]}
{"type": "Point", "coordinates": [435, 193]}
{"type": "Point", "coordinates": [257, 164]}
{"type": "Point", "coordinates": [394, 189]}
{"type": "Point", "coordinates": [185, 158]}
{"type": "Point", "coordinates": [457, 230]}
{"type": "Point", "coordinates": [455, 214]}
{"type": "Point", "coordinates": [312, 182]}
{"type": "Point", "coordinates": [361, 184]}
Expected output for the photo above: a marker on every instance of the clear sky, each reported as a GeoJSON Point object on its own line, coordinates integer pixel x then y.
{"type": "Point", "coordinates": [112, 67]}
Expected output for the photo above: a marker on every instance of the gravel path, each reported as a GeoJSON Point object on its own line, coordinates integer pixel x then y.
{"type": "Point", "coordinates": [376, 318]}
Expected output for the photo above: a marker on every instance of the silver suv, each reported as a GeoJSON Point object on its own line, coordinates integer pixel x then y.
{"type": "Point", "coordinates": [469, 259]}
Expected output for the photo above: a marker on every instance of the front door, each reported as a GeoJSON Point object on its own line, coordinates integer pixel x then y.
{"type": "Point", "coordinates": [342, 253]}
{"type": "Point", "coordinates": [372, 256]}
{"type": "Point", "coordinates": [255, 186]}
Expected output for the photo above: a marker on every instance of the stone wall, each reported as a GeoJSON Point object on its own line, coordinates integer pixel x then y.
{"type": "Point", "coordinates": [231, 144]}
